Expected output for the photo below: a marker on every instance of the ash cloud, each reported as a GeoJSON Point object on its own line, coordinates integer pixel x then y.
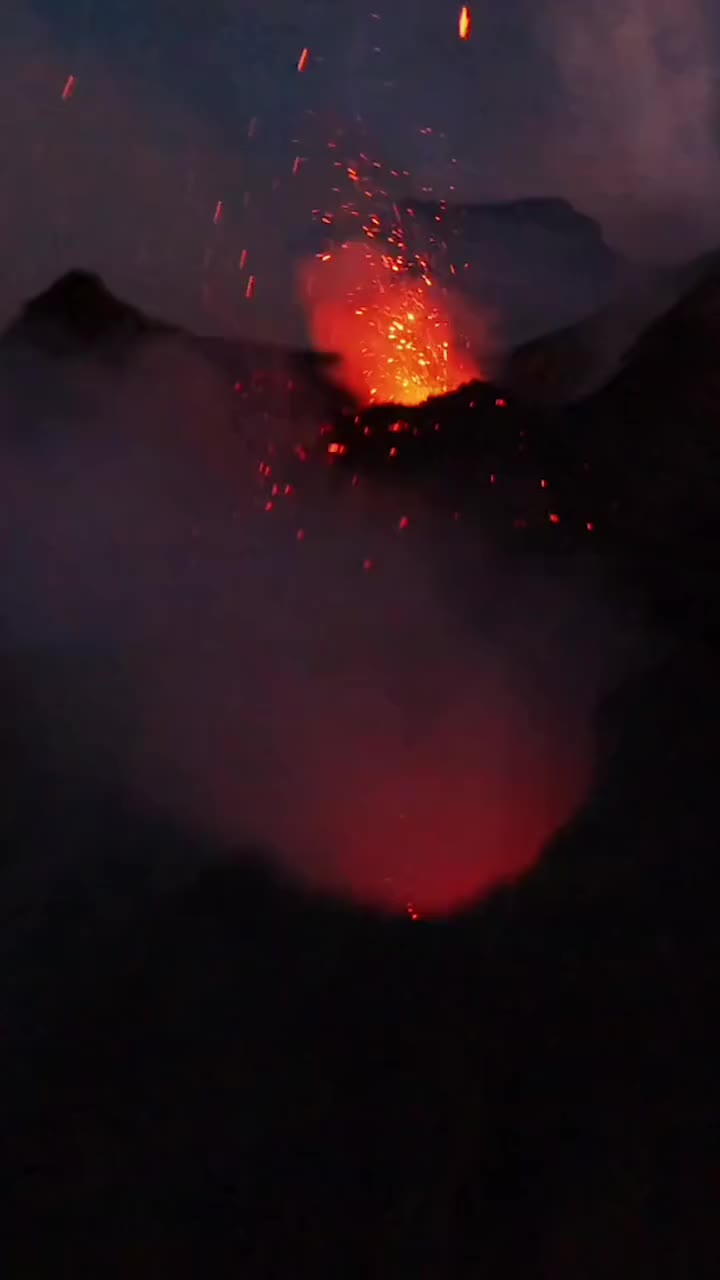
{"type": "Point", "coordinates": [415, 732]}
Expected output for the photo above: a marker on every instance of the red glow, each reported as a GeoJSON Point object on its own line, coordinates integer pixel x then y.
{"type": "Point", "coordinates": [437, 838]}
{"type": "Point", "coordinates": [392, 328]}
{"type": "Point", "coordinates": [303, 60]}
{"type": "Point", "coordinates": [69, 88]}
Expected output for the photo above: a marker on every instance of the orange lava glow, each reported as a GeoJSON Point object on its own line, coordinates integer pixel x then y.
{"type": "Point", "coordinates": [390, 323]}
{"type": "Point", "coordinates": [465, 23]}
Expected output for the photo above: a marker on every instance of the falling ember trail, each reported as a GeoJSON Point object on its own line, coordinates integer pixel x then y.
{"type": "Point", "coordinates": [465, 23]}
{"type": "Point", "coordinates": [69, 88]}
{"type": "Point", "coordinates": [303, 60]}
{"type": "Point", "coordinates": [393, 331]}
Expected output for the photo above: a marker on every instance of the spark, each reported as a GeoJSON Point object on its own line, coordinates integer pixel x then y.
{"type": "Point", "coordinates": [69, 88]}
{"type": "Point", "coordinates": [303, 60]}
{"type": "Point", "coordinates": [217, 216]}
{"type": "Point", "coordinates": [465, 23]}
{"type": "Point", "coordinates": [250, 291]}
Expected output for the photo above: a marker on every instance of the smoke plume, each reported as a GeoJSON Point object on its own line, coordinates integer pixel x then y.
{"type": "Point", "coordinates": [339, 674]}
{"type": "Point", "coordinates": [635, 136]}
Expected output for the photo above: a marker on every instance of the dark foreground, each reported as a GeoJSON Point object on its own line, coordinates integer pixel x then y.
{"type": "Point", "coordinates": [223, 1076]}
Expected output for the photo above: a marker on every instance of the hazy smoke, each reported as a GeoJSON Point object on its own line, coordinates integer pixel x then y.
{"type": "Point", "coordinates": [636, 136]}
{"type": "Point", "coordinates": [412, 731]}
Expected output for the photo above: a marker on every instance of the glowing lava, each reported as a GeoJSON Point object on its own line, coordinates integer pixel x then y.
{"type": "Point", "coordinates": [389, 322]}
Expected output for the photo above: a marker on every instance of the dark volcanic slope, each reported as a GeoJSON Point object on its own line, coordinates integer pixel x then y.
{"type": "Point", "coordinates": [653, 435]}
{"type": "Point", "coordinates": [77, 312]}
{"type": "Point", "coordinates": [575, 361]}
{"type": "Point", "coordinates": [79, 316]}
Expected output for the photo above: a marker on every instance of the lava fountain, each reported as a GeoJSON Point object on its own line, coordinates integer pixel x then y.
{"type": "Point", "coordinates": [395, 329]}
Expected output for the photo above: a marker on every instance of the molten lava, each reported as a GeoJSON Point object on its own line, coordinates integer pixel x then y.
{"type": "Point", "coordinates": [389, 322]}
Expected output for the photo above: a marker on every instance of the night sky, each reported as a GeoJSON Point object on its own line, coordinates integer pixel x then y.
{"type": "Point", "coordinates": [613, 105]}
